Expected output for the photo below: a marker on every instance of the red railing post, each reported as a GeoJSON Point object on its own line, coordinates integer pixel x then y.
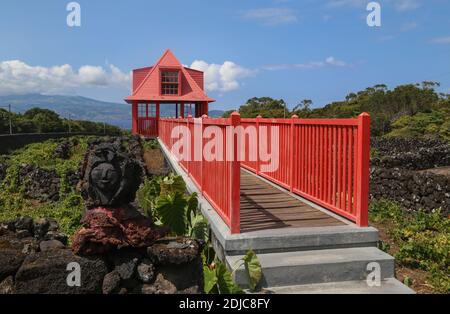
{"type": "Point", "coordinates": [291, 153]}
{"type": "Point", "coordinates": [134, 114]}
{"type": "Point", "coordinates": [363, 160]}
{"type": "Point", "coordinates": [235, 213]}
{"type": "Point", "coordinates": [258, 162]}
{"type": "Point", "coordinates": [190, 149]}
{"type": "Point", "coordinates": [202, 165]}
{"type": "Point", "coordinates": [157, 115]}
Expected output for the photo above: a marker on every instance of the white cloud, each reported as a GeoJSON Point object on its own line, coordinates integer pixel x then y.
{"type": "Point", "coordinates": [330, 61]}
{"type": "Point", "coordinates": [271, 16]}
{"type": "Point", "coordinates": [335, 62]}
{"type": "Point", "coordinates": [221, 77]}
{"type": "Point", "coordinates": [17, 77]}
{"type": "Point", "coordinates": [441, 40]}
{"type": "Point", "coordinates": [93, 75]}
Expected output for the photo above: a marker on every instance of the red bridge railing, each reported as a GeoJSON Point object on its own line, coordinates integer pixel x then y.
{"type": "Point", "coordinates": [323, 160]}
{"type": "Point", "coordinates": [218, 179]}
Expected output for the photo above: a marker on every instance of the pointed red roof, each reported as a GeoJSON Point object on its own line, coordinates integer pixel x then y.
{"type": "Point", "coordinates": [146, 82]}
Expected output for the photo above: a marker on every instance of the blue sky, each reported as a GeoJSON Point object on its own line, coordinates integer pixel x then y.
{"type": "Point", "coordinates": [311, 49]}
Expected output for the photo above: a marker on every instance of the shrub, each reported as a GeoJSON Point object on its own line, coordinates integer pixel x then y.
{"type": "Point", "coordinates": [164, 199]}
{"type": "Point", "coordinates": [423, 240]}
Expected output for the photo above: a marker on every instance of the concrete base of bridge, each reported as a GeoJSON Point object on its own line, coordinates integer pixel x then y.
{"type": "Point", "coordinates": [330, 259]}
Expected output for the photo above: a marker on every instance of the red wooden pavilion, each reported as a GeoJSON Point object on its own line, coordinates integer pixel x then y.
{"type": "Point", "coordinates": [166, 83]}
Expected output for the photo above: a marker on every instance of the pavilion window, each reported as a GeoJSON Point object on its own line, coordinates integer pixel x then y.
{"type": "Point", "coordinates": [142, 111]}
{"type": "Point", "coordinates": [170, 83]}
{"type": "Point", "coordinates": [152, 110]}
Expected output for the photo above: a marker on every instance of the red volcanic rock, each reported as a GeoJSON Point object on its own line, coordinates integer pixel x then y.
{"type": "Point", "coordinates": [107, 229]}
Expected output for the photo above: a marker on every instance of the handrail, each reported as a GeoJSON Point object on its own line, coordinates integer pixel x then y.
{"type": "Point", "coordinates": [323, 160]}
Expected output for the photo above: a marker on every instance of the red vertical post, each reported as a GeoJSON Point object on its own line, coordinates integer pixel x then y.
{"type": "Point", "coordinates": [134, 115]}
{"type": "Point", "coordinates": [258, 161]}
{"type": "Point", "coordinates": [235, 213]}
{"type": "Point", "coordinates": [157, 117]}
{"type": "Point", "coordinates": [350, 170]}
{"type": "Point", "coordinates": [291, 153]}
{"type": "Point", "coordinates": [195, 114]}
{"type": "Point", "coordinates": [322, 162]}
{"type": "Point", "coordinates": [202, 165]}
{"type": "Point", "coordinates": [206, 108]}
{"type": "Point", "coordinates": [182, 109]}
{"type": "Point", "coordinates": [362, 213]}
{"type": "Point", "coordinates": [189, 148]}
{"type": "Point", "coordinates": [302, 175]}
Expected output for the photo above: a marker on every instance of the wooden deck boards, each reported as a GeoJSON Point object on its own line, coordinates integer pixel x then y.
{"type": "Point", "coordinates": [266, 207]}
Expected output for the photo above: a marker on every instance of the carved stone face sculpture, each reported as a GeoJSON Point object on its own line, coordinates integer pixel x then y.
{"type": "Point", "coordinates": [111, 176]}
{"type": "Point", "coordinates": [105, 178]}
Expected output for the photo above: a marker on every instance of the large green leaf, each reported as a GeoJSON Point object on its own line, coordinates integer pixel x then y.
{"type": "Point", "coordinates": [199, 228]}
{"type": "Point", "coordinates": [172, 184]}
{"type": "Point", "coordinates": [147, 195]}
{"type": "Point", "coordinates": [210, 279]}
{"type": "Point", "coordinates": [225, 283]}
{"type": "Point", "coordinates": [209, 255]}
{"type": "Point", "coordinates": [192, 206]}
{"type": "Point", "coordinates": [253, 269]}
{"type": "Point", "coordinates": [171, 209]}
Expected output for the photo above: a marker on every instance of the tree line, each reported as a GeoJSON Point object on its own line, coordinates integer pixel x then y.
{"type": "Point", "coordinates": [37, 120]}
{"type": "Point", "coordinates": [411, 110]}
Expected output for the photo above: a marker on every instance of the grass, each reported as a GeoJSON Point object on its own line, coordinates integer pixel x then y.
{"type": "Point", "coordinates": [150, 144]}
{"type": "Point", "coordinates": [68, 210]}
{"type": "Point", "coordinates": [419, 241]}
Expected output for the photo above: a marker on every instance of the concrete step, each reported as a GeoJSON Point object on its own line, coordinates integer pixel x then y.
{"type": "Point", "coordinates": [388, 286]}
{"type": "Point", "coordinates": [292, 239]}
{"type": "Point", "coordinates": [317, 266]}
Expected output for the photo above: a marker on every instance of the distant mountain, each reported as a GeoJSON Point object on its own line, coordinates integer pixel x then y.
{"type": "Point", "coordinates": [81, 108]}
{"type": "Point", "coordinates": [216, 113]}
{"type": "Point", "coordinates": [75, 107]}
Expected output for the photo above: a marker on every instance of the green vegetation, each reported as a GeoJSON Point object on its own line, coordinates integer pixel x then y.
{"type": "Point", "coordinates": [265, 106]}
{"type": "Point", "coordinates": [164, 199]}
{"type": "Point", "coordinates": [413, 110]}
{"type": "Point", "coordinates": [150, 144]}
{"type": "Point", "coordinates": [434, 123]}
{"type": "Point", "coordinates": [253, 269]}
{"type": "Point", "coordinates": [38, 120]}
{"type": "Point", "coordinates": [68, 210]}
{"type": "Point", "coordinates": [421, 240]}
{"type": "Point", "coordinates": [218, 280]}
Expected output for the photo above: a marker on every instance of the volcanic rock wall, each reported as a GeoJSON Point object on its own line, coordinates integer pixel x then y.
{"type": "Point", "coordinates": [413, 190]}
{"type": "Point", "coordinates": [394, 173]}
{"type": "Point", "coordinates": [412, 154]}
{"type": "Point", "coordinates": [34, 259]}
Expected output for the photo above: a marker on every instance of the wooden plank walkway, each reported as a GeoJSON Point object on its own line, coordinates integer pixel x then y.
{"type": "Point", "coordinates": [266, 207]}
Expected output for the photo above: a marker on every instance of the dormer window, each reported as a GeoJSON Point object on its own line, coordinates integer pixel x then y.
{"type": "Point", "coordinates": [170, 84]}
